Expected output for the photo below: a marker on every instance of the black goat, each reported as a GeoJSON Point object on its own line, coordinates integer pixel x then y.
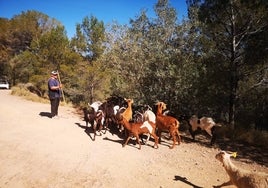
{"type": "Point", "coordinates": [94, 119]}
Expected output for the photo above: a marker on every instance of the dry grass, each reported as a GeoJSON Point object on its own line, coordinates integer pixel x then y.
{"type": "Point", "coordinates": [252, 137]}
{"type": "Point", "coordinates": [22, 91]}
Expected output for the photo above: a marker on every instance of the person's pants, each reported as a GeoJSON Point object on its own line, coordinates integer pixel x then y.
{"type": "Point", "coordinates": [54, 106]}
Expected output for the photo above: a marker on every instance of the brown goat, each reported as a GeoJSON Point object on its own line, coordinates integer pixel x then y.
{"type": "Point", "coordinates": [127, 114]}
{"type": "Point", "coordinates": [135, 129]}
{"type": "Point", "coordinates": [167, 123]}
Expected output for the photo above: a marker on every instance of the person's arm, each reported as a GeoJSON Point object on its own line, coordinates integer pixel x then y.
{"type": "Point", "coordinates": [55, 87]}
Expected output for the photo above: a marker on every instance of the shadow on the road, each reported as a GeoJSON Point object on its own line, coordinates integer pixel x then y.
{"type": "Point", "coordinates": [132, 142]}
{"type": "Point", "coordinates": [88, 130]}
{"type": "Point", "coordinates": [184, 180]}
{"type": "Point", "coordinates": [81, 126]}
{"type": "Point", "coordinates": [116, 141]}
{"type": "Point", "coordinates": [45, 114]}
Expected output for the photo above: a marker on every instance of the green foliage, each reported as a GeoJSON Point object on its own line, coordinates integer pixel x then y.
{"type": "Point", "coordinates": [90, 38]}
{"type": "Point", "coordinates": [232, 25]}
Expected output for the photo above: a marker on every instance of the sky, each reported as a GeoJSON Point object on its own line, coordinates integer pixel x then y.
{"type": "Point", "coordinates": [72, 12]}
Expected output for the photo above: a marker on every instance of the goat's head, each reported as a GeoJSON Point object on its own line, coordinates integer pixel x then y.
{"type": "Point", "coordinates": [129, 101]}
{"type": "Point", "coordinates": [223, 155]}
{"type": "Point", "coordinates": [194, 118]}
{"type": "Point", "coordinates": [85, 110]}
{"type": "Point", "coordinates": [116, 100]}
{"type": "Point", "coordinates": [161, 105]}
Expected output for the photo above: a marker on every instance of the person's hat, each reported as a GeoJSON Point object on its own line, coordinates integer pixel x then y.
{"type": "Point", "coordinates": [54, 72]}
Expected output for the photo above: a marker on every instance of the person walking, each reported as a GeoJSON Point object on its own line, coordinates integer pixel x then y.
{"type": "Point", "coordinates": [54, 93]}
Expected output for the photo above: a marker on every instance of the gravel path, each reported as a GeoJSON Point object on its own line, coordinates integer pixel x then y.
{"type": "Point", "coordinates": [36, 151]}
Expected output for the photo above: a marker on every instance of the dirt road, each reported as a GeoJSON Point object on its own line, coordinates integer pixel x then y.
{"type": "Point", "coordinates": [36, 151]}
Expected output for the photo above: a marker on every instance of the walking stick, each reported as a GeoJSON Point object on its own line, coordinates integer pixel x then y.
{"type": "Point", "coordinates": [61, 88]}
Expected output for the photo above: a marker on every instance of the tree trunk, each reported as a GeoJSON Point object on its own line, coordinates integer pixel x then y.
{"type": "Point", "coordinates": [234, 73]}
{"type": "Point", "coordinates": [234, 78]}
{"type": "Point", "coordinates": [232, 101]}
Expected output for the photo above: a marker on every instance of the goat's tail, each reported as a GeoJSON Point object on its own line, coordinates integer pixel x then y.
{"type": "Point", "coordinates": [177, 124]}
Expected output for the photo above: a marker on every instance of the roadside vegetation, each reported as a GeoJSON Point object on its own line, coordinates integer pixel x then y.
{"type": "Point", "coordinates": [212, 63]}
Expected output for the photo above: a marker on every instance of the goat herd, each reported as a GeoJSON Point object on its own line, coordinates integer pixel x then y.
{"type": "Point", "coordinates": [116, 114]}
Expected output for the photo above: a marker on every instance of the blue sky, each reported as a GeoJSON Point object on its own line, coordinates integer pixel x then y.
{"type": "Point", "coordinates": [71, 12]}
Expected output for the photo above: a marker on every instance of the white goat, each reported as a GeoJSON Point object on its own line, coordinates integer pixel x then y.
{"type": "Point", "coordinates": [205, 123]}
{"type": "Point", "coordinates": [240, 177]}
{"type": "Point", "coordinates": [149, 115]}
{"type": "Point", "coordinates": [95, 105]}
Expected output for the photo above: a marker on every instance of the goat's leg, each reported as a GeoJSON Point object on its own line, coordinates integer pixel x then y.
{"type": "Point", "coordinates": [100, 128]}
{"type": "Point", "coordinates": [214, 135]}
{"type": "Point", "coordinates": [142, 139]}
{"type": "Point", "coordinates": [173, 135]}
{"type": "Point", "coordinates": [193, 133]}
{"type": "Point", "coordinates": [102, 121]}
{"type": "Point", "coordinates": [126, 141]}
{"type": "Point", "coordinates": [155, 140]}
{"type": "Point", "coordinates": [159, 135]}
{"type": "Point", "coordinates": [213, 139]}
{"type": "Point", "coordinates": [208, 130]}
{"type": "Point", "coordinates": [179, 136]}
{"type": "Point", "coordinates": [147, 139]}
{"type": "Point", "coordinates": [94, 131]}
{"type": "Point", "coordinates": [104, 128]}
{"type": "Point", "coordinates": [94, 127]}
{"type": "Point", "coordinates": [106, 123]}
{"type": "Point", "coordinates": [138, 141]}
